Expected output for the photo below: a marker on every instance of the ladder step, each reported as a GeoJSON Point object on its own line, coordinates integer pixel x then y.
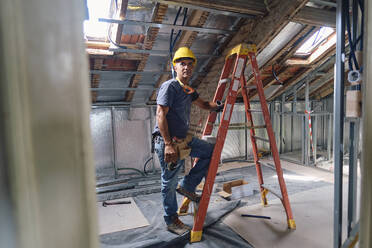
{"type": "Point", "coordinates": [251, 87]}
{"type": "Point", "coordinates": [272, 191]}
{"type": "Point", "coordinates": [256, 127]}
{"type": "Point", "coordinates": [225, 80]}
{"type": "Point", "coordinates": [255, 110]}
{"type": "Point", "coordinates": [240, 125]}
{"type": "Point", "coordinates": [262, 139]}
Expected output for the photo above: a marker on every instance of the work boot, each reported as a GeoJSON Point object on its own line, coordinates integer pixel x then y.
{"type": "Point", "coordinates": [178, 227]}
{"type": "Point", "coordinates": [191, 195]}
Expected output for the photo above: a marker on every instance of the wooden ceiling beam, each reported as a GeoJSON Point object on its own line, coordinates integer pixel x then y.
{"type": "Point", "coordinates": [282, 74]}
{"type": "Point", "coordinates": [98, 62]}
{"type": "Point", "coordinates": [106, 45]}
{"type": "Point", "coordinates": [316, 93]}
{"type": "Point", "coordinates": [252, 7]}
{"type": "Point", "coordinates": [293, 44]}
{"type": "Point", "coordinates": [197, 19]}
{"type": "Point", "coordinates": [304, 73]}
{"type": "Point", "coordinates": [324, 91]}
{"type": "Point", "coordinates": [321, 91]}
{"type": "Point", "coordinates": [317, 83]}
{"type": "Point", "coordinates": [123, 5]}
{"type": "Point", "coordinates": [157, 17]}
{"type": "Point", "coordinates": [316, 17]}
{"type": "Point", "coordinates": [97, 65]}
{"type": "Point", "coordinates": [260, 31]}
{"type": "Point", "coordinates": [293, 49]}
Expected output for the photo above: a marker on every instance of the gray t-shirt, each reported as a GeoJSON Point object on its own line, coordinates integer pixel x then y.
{"type": "Point", "coordinates": [171, 95]}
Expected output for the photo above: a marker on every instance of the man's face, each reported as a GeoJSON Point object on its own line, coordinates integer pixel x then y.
{"type": "Point", "coordinates": [184, 68]}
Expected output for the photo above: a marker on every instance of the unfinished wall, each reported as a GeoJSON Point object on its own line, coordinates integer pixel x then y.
{"type": "Point", "coordinates": [236, 140]}
{"type": "Point", "coordinates": [129, 133]}
{"type": "Point", "coordinates": [132, 133]}
{"type": "Point", "coordinates": [101, 128]}
{"type": "Point", "coordinates": [294, 124]}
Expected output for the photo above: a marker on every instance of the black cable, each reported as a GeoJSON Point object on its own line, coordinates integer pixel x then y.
{"type": "Point", "coordinates": [352, 57]}
{"type": "Point", "coordinates": [361, 6]}
{"type": "Point", "coordinates": [109, 30]}
{"type": "Point", "coordinates": [113, 42]}
{"type": "Point", "coordinates": [179, 31]}
{"type": "Point", "coordinates": [276, 78]}
{"type": "Point", "coordinates": [171, 36]}
{"type": "Point", "coordinates": [145, 165]}
{"type": "Point", "coordinates": [171, 42]}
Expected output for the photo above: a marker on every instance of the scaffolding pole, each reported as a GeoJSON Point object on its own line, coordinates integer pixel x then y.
{"type": "Point", "coordinates": [339, 121]}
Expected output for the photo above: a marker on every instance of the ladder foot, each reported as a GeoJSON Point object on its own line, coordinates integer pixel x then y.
{"type": "Point", "coordinates": [263, 197]}
{"type": "Point", "coordinates": [291, 224]}
{"type": "Point", "coordinates": [196, 236]}
{"type": "Point", "coordinates": [184, 208]}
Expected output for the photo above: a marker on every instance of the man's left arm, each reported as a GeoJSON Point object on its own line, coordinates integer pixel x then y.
{"type": "Point", "coordinates": [211, 106]}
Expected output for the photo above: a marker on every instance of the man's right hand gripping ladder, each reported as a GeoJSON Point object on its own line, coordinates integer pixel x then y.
{"type": "Point", "coordinates": [236, 61]}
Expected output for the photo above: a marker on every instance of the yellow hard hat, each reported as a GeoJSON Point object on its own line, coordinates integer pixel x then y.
{"type": "Point", "coordinates": [183, 52]}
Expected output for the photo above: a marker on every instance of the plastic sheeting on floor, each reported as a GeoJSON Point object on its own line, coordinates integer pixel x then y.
{"type": "Point", "coordinates": [215, 233]}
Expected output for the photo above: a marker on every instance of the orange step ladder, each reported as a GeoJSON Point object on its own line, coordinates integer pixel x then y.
{"type": "Point", "coordinates": [236, 61]}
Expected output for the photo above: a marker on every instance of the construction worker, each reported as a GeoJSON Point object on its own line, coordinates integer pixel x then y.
{"type": "Point", "coordinates": [172, 141]}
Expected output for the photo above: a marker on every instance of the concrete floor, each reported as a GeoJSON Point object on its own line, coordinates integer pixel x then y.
{"type": "Point", "coordinates": [312, 211]}
{"type": "Point", "coordinates": [310, 192]}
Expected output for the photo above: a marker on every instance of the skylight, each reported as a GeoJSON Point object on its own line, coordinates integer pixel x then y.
{"type": "Point", "coordinates": [97, 9]}
{"type": "Point", "coordinates": [316, 39]}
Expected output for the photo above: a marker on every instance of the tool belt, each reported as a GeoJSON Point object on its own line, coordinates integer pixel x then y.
{"type": "Point", "coordinates": [182, 149]}
{"type": "Point", "coordinates": [180, 145]}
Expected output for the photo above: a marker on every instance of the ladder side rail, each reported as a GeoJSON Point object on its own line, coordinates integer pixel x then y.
{"type": "Point", "coordinates": [221, 135]}
{"type": "Point", "coordinates": [253, 140]}
{"type": "Point", "coordinates": [218, 95]}
{"type": "Point", "coordinates": [208, 128]}
{"type": "Point", "coordinates": [271, 135]}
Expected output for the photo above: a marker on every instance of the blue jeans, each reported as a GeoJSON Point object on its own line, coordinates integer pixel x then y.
{"type": "Point", "coordinates": [199, 149]}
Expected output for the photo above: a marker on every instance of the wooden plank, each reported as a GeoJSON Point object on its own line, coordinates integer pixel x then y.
{"type": "Point", "coordinates": [228, 185]}
{"type": "Point", "coordinates": [97, 45]}
{"type": "Point", "coordinates": [115, 218]}
{"type": "Point", "coordinates": [298, 62]}
{"type": "Point", "coordinates": [224, 194]}
{"type": "Point", "coordinates": [316, 17]}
